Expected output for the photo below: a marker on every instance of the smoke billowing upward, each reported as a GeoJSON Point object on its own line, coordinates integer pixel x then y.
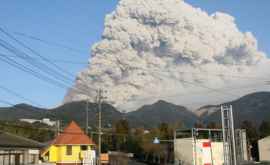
{"type": "Point", "coordinates": [167, 49]}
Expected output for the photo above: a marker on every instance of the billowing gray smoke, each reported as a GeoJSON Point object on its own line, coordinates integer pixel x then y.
{"type": "Point", "coordinates": [167, 49]}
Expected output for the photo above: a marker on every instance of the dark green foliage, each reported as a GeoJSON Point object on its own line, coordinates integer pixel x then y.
{"type": "Point", "coordinates": [213, 125]}
{"type": "Point", "coordinates": [251, 130]}
{"type": "Point", "coordinates": [264, 129]}
{"type": "Point", "coordinates": [147, 116]}
{"type": "Point", "coordinates": [41, 133]}
{"type": "Point", "coordinates": [161, 112]}
{"type": "Point", "coordinates": [66, 113]}
{"type": "Point", "coordinates": [254, 107]}
{"type": "Point", "coordinates": [122, 127]}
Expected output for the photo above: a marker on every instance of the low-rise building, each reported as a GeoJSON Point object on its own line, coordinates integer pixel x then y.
{"type": "Point", "coordinates": [17, 150]}
{"type": "Point", "coordinates": [44, 121]}
{"type": "Point", "coordinates": [205, 146]}
{"type": "Point", "coordinates": [264, 149]}
{"type": "Point", "coordinates": [71, 147]}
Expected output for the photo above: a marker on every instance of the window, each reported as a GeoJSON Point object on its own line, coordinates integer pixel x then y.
{"type": "Point", "coordinates": [69, 150]}
{"type": "Point", "coordinates": [84, 148]}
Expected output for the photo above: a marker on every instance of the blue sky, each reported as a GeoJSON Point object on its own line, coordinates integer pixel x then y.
{"type": "Point", "coordinates": [79, 24]}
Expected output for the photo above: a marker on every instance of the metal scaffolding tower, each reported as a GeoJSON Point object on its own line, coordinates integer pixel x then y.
{"type": "Point", "coordinates": [228, 135]}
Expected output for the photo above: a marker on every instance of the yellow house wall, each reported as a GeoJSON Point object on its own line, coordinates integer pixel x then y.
{"type": "Point", "coordinates": [53, 154]}
{"type": "Point", "coordinates": [58, 153]}
{"type": "Point", "coordinates": [75, 157]}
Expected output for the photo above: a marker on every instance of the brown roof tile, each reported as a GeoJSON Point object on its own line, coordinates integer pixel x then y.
{"type": "Point", "coordinates": [73, 134]}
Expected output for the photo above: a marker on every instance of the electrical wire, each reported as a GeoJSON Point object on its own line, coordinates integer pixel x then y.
{"type": "Point", "coordinates": [66, 73]}
{"type": "Point", "coordinates": [50, 43]}
{"type": "Point", "coordinates": [32, 72]}
{"type": "Point", "coordinates": [7, 90]}
{"type": "Point", "coordinates": [36, 64]}
{"type": "Point", "coordinates": [31, 62]}
{"type": "Point", "coordinates": [53, 60]}
{"type": "Point", "coordinates": [40, 76]}
{"type": "Point", "coordinates": [6, 102]}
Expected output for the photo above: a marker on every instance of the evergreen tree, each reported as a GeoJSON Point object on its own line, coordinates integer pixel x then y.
{"type": "Point", "coordinates": [264, 129]}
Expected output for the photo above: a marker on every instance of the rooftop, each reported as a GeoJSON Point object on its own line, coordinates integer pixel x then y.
{"type": "Point", "coordinates": [71, 135]}
{"type": "Point", "coordinates": [8, 140]}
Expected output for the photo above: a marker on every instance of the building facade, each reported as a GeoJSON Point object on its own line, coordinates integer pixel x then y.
{"type": "Point", "coordinates": [201, 146]}
{"type": "Point", "coordinates": [44, 121]}
{"type": "Point", "coordinates": [71, 147]}
{"type": "Point", "coordinates": [264, 149]}
{"type": "Point", "coordinates": [17, 150]}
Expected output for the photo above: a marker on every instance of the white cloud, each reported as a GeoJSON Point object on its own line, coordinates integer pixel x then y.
{"type": "Point", "coordinates": [166, 49]}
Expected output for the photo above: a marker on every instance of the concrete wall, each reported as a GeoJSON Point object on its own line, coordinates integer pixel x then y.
{"type": "Point", "coordinates": [212, 154]}
{"type": "Point", "coordinates": [264, 149]}
{"type": "Point", "coordinates": [185, 153]}
{"type": "Point", "coordinates": [217, 151]}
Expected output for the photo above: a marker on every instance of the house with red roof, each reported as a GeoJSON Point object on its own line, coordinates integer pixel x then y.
{"type": "Point", "coordinates": [71, 147]}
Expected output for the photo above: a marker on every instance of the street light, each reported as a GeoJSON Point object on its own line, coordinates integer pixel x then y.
{"type": "Point", "coordinates": [157, 140]}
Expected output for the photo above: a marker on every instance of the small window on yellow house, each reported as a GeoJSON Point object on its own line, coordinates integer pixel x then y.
{"type": "Point", "coordinates": [69, 150]}
{"type": "Point", "coordinates": [83, 148]}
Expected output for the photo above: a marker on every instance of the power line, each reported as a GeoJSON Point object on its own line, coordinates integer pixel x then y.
{"type": "Point", "coordinates": [17, 95]}
{"type": "Point", "coordinates": [53, 60]}
{"type": "Point", "coordinates": [6, 102]}
{"type": "Point", "coordinates": [50, 43]}
{"type": "Point", "coordinates": [40, 66]}
{"type": "Point", "coordinates": [13, 106]}
{"type": "Point", "coordinates": [78, 50]}
{"type": "Point", "coordinates": [184, 81]}
{"type": "Point", "coordinates": [40, 56]}
{"type": "Point", "coordinates": [32, 72]}
{"type": "Point", "coordinates": [31, 62]}
{"type": "Point", "coordinates": [37, 74]}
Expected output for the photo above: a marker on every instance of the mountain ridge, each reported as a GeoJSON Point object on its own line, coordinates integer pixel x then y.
{"type": "Point", "coordinates": [245, 108]}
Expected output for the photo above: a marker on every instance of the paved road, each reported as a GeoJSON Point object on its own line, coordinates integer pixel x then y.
{"type": "Point", "coordinates": [135, 163]}
{"type": "Point", "coordinates": [258, 163]}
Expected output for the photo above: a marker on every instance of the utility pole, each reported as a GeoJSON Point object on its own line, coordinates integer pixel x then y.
{"type": "Point", "coordinates": [57, 128]}
{"type": "Point", "coordinates": [100, 99]}
{"type": "Point", "coordinates": [86, 124]}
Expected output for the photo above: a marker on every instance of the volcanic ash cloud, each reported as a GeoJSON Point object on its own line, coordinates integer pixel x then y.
{"type": "Point", "coordinates": [167, 49]}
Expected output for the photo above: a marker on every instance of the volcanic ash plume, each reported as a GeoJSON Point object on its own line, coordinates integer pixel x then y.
{"type": "Point", "coordinates": [167, 49]}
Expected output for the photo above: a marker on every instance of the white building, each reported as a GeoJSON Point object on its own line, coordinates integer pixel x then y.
{"type": "Point", "coordinates": [205, 149]}
{"type": "Point", "coordinates": [264, 149]}
{"type": "Point", "coordinates": [44, 121]}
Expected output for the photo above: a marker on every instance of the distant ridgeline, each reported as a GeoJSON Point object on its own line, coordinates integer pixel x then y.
{"type": "Point", "coordinates": [253, 107]}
